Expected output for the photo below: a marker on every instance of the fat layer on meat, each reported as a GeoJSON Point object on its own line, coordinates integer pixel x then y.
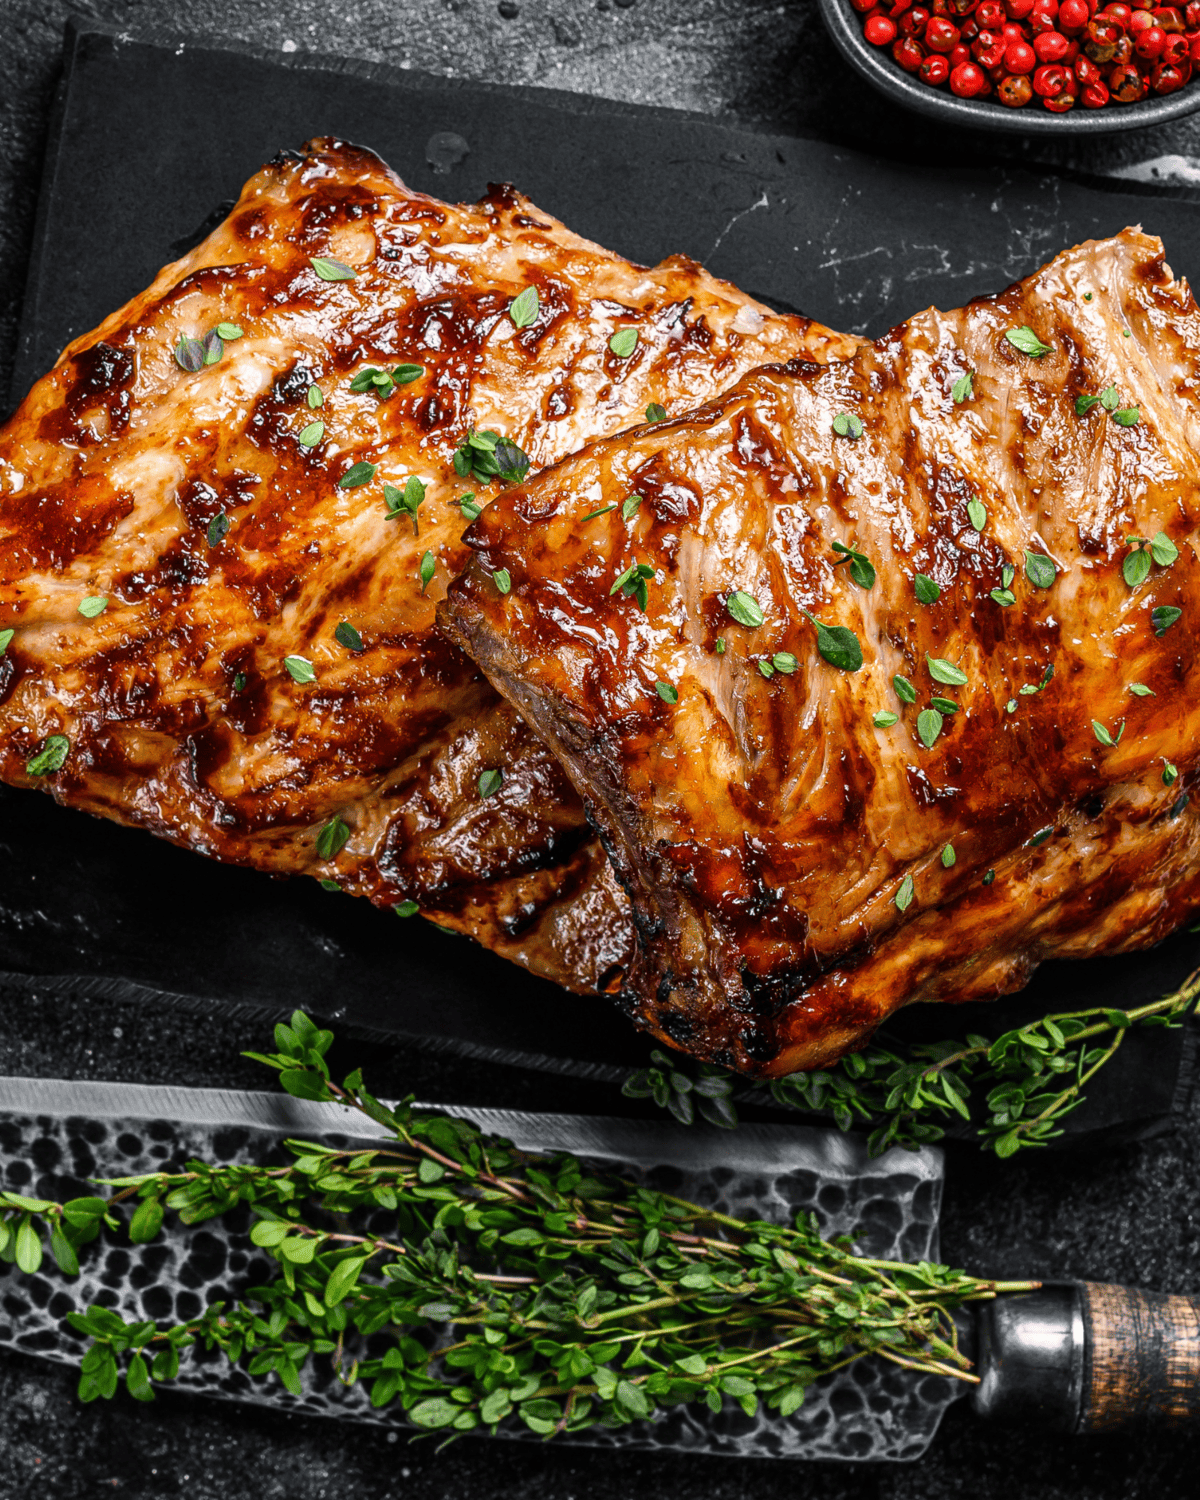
{"type": "Point", "coordinates": [120, 470]}
{"type": "Point", "coordinates": [1006, 778]}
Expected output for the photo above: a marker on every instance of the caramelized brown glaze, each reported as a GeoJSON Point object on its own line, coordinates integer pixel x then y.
{"type": "Point", "coordinates": [765, 828]}
{"type": "Point", "coordinates": [180, 713]}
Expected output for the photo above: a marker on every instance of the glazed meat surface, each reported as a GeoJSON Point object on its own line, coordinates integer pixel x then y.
{"type": "Point", "coordinates": [264, 678]}
{"type": "Point", "coordinates": [810, 843]}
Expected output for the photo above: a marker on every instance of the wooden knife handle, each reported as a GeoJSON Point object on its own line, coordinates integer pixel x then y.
{"type": "Point", "coordinates": [1141, 1359]}
{"type": "Point", "coordinates": [1088, 1357]}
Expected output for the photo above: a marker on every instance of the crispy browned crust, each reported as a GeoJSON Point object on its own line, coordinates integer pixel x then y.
{"type": "Point", "coordinates": [115, 465]}
{"type": "Point", "coordinates": [765, 828]}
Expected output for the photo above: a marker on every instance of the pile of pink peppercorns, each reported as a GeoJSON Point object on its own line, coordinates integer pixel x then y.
{"type": "Point", "coordinates": [1063, 52]}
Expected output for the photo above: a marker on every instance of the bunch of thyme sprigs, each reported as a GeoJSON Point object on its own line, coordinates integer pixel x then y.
{"type": "Point", "coordinates": [505, 1286]}
{"type": "Point", "coordinates": [1029, 1079]}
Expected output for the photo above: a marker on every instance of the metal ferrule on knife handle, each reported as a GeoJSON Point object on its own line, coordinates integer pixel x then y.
{"type": "Point", "coordinates": [1088, 1357]}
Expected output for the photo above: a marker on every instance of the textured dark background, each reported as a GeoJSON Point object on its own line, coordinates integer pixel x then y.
{"type": "Point", "coordinates": [1128, 1214]}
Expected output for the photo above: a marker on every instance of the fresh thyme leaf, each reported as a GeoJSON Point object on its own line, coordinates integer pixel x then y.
{"type": "Point", "coordinates": [1141, 690]}
{"type": "Point", "coordinates": [93, 605]}
{"type": "Point", "coordinates": [904, 689]}
{"type": "Point", "coordinates": [523, 309]}
{"type": "Point", "coordinates": [926, 590]}
{"type": "Point", "coordinates": [502, 580]}
{"type": "Point", "coordinates": [945, 671]}
{"type": "Point", "coordinates": [1136, 567]}
{"type": "Point", "coordinates": [346, 635]}
{"type": "Point", "coordinates": [632, 583]}
{"type": "Point", "coordinates": [189, 355]}
{"type": "Point", "coordinates": [1011, 706]}
{"type": "Point", "coordinates": [300, 669]}
{"type": "Point", "coordinates": [406, 909]}
{"type": "Point", "coordinates": [603, 511]}
{"type": "Point", "coordinates": [407, 501]}
{"type": "Point", "coordinates": [1027, 342]}
{"type": "Point", "coordinates": [1040, 570]}
{"type": "Point", "coordinates": [1006, 575]}
{"type": "Point", "coordinates": [373, 379]}
{"type": "Point", "coordinates": [357, 475]}
{"type": "Point", "coordinates": [847, 425]}
{"type": "Point", "coordinates": [490, 782]}
{"type": "Point", "coordinates": [666, 692]}
{"type": "Point", "coordinates": [214, 347]}
{"type": "Point", "coordinates": [945, 705]}
{"type": "Point", "coordinates": [630, 508]}
{"type": "Point", "coordinates": [239, 682]}
{"type": "Point", "coordinates": [1084, 404]}
{"type": "Point", "coordinates": [884, 719]}
{"type": "Point", "coordinates": [904, 895]}
{"type": "Point", "coordinates": [766, 668]}
{"type": "Point", "coordinates": [1170, 774]}
{"type": "Point", "coordinates": [50, 758]}
{"type": "Point", "coordinates": [656, 413]}
{"type": "Point", "coordinates": [989, 877]}
{"type": "Point", "coordinates": [315, 398]}
{"type": "Point", "coordinates": [785, 662]}
{"type": "Point", "coordinates": [744, 608]}
{"type": "Point", "coordinates": [470, 511]}
{"type": "Point", "coordinates": [1104, 736]}
{"type": "Point", "coordinates": [948, 857]}
{"type": "Point", "coordinates": [1003, 597]}
{"type": "Point", "coordinates": [330, 885]}
{"type": "Point", "coordinates": [1110, 399]}
{"type": "Point", "coordinates": [228, 332]}
{"type": "Point", "coordinates": [861, 569]}
{"type": "Point", "coordinates": [1127, 416]}
{"type": "Point", "coordinates": [929, 726]}
{"type": "Point", "coordinates": [331, 838]}
{"type": "Point", "coordinates": [1162, 618]}
{"type": "Point", "coordinates": [839, 646]}
{"type": "Point", "coordinates": [1163, 549]}
{"type": "Point", "coordinates": [406, 374]}
{"type": "Point", "coordinates": [6, 640]}
{"type": "Point", "coordinates": [427, 569]}
{"type": "Point", "coordinates": [977, 512]}
{"type": "Point", "coordinates": [624, 342]}
{"type": "Point", "coordinates": [512, 463]}
{"type": "Point", "coordinates": [218, 529]}
{"type": "Point", "coordinates": [963, 388]}
{"type": "Point", "coordinates": [312, 435]}
{"type": "Point", "coordinates": [719, 648]}
{"type": "Point", "coordinates": [329, 269]}
{"type": "Point", "coordinates": [1041, 836]}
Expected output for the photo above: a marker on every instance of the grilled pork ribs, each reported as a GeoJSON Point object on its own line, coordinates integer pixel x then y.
{"type": "Point", "coordinates": [879, 677]}
{"type": "Point", "coordinates": [221, 635]}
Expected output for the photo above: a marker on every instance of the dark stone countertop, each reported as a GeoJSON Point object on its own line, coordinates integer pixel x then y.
{"type": "Point", "coordinates": [1127, 1214]}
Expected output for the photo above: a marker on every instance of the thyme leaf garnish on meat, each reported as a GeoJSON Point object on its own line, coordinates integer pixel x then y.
{"type": "Point", "coordinates": [487, 456]}
{"type": "Point", "coordinates": [838, 645]}
{"type": "Point", "coordinates": [624, 342]}
{"type": "Point", "coordinates": [315, 398]}
{"type": "Point", "coordinates": [945, 671]}
{"type": "Point", "coordinates": [300, 669]}
{"type": "Point", "coordinates": [861, 569]}
{"type": "Point", "coordinates": [904, 689]}
{"type": "Point", "coordinates": [1027, 342]}
{"type": "Point", "coordinates": [6, 640]}
{"type": "Point", "coordinates": [847, 425]}
{"type": "Point", "coordinates": [949, 858]}
{"type": "Point", "coordinates": [502, 579]}
{"type": "Point", "coordinates": [311, 435]}
{"type": "Point", "coordinates": [1103, 735]}
{"type": "Point", "coordinates": [656, 413]}
{"type": "Point", "coordinates": [1040, 570]}
{"type": "Point", "coordinates": [632, 583]}
{"type": "Point", "coordinates": [490, 781]}
{"type": "Point", "coordinates": [929, 726]}
{"type": "Point", "coordinates": [426, 570]}
{"type": "Point", "coordinates": [884, 719]}
{"type": "Point", "coordinates": [329, 269]}
{"type": "Point", "coordinates": [629, 507]}
{"type": "Point", "coordinates": [189, 355]}
{"type": "Point", "coordinates": [785, 662]}
{"type": "Point", "coordinates": [384, 382]}
{"type": "Point", "coordinates": [904, 895]}
{"type": "Point", "coordinates": [1008, 1094]}
{"type": "Point", "coordinates": [1170, 774]}
{"type": "Point", "coordinates": [357, 475]}
{"type": "Point", "coordinates": [50, 758]}
{"type": "Point", "coordinates": [977, 512]}
{"type": "Point", "coordinates": [1162, 618]}
{"type": "Point", "coordinates": [1158, 548]}
{"type": "Point", "coordinates": [523, 309]}
{"type": "Point", "coordinates": [667, 692]}
{"type": "Point", "coordinates": [406, 908]}
{"type": "Point", "coordinates": [963, 388]}
{"type": "Point", "coordinates": [545, 1296]}
{"type": "Point", "coordinates": [468, 508]}
{"type": "Point", "coordinates": [926, 590]}
{"type": "Point", "coordinates": [1028, 688]}
{"type": "Point", "coordinates": [1140, 690]}
{"type": "Point", "coordinates": [407, 501]}
{"type": "Point", "coordinates": [228, 331]}
{"type": "Point", "coordinates": [603, 511]}
{"type": "Point", "coordinates": [346, 635]}
{"type": "Point", "coordinates": [745, 609]}
{"type": "Point", "coordinates": [331, 838]}
{"type": "Point", "coordinates": [218, 529]}
{"type": "Point", "coordinates": [93, 605]}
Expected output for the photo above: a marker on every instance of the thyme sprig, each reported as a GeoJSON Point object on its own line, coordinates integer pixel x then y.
{"type": "Point", "coordinates": [496, 1285]}
{"type": "Point", "coordinates": [1029, 1078]}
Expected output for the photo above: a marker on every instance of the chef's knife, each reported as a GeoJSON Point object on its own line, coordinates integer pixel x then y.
{"type": "Point", "coordinates": [1075, 1357]}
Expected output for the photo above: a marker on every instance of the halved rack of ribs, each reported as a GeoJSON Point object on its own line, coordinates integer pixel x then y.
{"type": "Point", "coordinates": [879, 677]}
{"type": "Point", "coordinates": [227, 514]}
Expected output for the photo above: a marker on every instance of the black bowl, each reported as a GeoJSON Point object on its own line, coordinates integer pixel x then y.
{"type": "Point", "coordinates": [877, 66]}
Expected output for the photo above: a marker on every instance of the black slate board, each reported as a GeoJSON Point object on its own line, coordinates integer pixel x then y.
{"type": "Point", "coordinates": [150, 134]}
